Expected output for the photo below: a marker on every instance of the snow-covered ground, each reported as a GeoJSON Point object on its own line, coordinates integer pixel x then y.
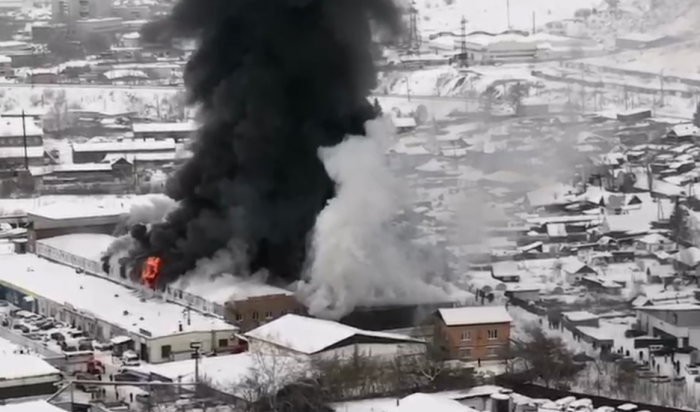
{"type": "Point", "coordinates": [494, 16]}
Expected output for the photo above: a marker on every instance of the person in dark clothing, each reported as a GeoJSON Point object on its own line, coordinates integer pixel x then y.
{"type": "Point", "coordinates": [131, 397]}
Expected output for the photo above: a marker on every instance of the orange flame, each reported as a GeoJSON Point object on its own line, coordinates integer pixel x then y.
{"type": "Point", "coordinates": [150, 271]}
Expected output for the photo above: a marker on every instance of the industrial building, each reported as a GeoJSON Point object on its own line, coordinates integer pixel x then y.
{"type": "Point", "coordinates": [26, 375]}
{"type": "Point", "coordinates": [157, 330]}
{"type": "Point", "coordinates": [162, 131]}
{"type": "Point", "coordinates": [295, 335]}
{"type": "Point", "coordinates": [61, 219]}
{"type": "Point", "coordinates": [96, 152]}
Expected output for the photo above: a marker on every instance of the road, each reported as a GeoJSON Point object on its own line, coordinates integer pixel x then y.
{"type": "Point", "coordinates": [64, 86]}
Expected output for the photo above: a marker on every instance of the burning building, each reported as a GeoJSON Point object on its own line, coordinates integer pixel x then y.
{"type": "Point", "coordinates": [285, 159]}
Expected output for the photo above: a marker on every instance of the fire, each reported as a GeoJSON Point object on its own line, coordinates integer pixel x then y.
{"type": "Point", "coordinates": [150, 271]}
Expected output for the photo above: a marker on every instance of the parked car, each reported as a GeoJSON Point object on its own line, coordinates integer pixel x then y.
{"type": "Point", "coordinates": [692, 370]}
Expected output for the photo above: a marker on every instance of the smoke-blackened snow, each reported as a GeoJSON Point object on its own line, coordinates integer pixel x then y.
{"type": "Point", "coordinates": [276, 80]}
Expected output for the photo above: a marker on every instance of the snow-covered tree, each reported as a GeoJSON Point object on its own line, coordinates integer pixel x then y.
{"type": "Point", "coordinates": [679, 223]}
{"type": "Point", "coordinates": [696, 116]}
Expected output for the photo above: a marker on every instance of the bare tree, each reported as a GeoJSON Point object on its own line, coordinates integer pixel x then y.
{"type": "Point", "coordinates": [544, 358]}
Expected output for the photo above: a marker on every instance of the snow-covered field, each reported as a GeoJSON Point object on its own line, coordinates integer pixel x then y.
{"type": "Point", "coordinates": [493, 15]}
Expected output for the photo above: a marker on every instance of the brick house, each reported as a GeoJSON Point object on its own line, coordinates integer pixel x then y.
{"type": "Point", "coordinates": [474, 333]}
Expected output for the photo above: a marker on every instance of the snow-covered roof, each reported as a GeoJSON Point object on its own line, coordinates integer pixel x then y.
{"type": "Point", "coordinates": [147, 157]}
{"type": "Point", "coordinates": [85, 245]}
{"type": "Point", "coordinates": [71, 167]}
{"type": "Point", "coordinates": [122, 74]}
{"type": "Point", "coordinates": [579, 316]}
{"type": "Point", "coordinates": [549, 195]}
{"type": "Point", "coordinates": [654, 239]}
{"type": "Point", "coordinates": [164, 127]}
{"type": "Point", "coordinates": [226, 372]}
{"type": "Point", "coordinates": [126, 146]}
{"type": "Point", "coordinates": [5, 59]}
{"type": "Point", "coordinates": [224, 288]}
{"type": "Point", "coordinates": [14, 366]}
{"type": "Point", "coordinates": [505, 176]}
{"type": "Point", "coordinates": [134, 35]}
{"type": "Point", "coordinates": [404, 122]}
{"type": "Point", "coordinates": [475, 315]}
{"type": "Point", "coordinates": [101, 298]}
{"type": "Point", "coordinates": [421, 402]}
{"type": "Point", "coordinates": [30, 406]}
{"type": "Point", "coordinates": [675, 307]}
{"type": "Point", "coordinates": [60, 211]}
{"type": "Point", "coordinates": [33, 152]}
{"type": "Point", "coordinates": [310, 335]}
{"type": "Point", "coordinates": [685, 130]}
{"type": "Point", "coordinates": [572, 266]}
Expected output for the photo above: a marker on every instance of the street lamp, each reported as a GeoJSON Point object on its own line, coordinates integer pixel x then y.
{"type": "Point", "coordinates": [196, 346]}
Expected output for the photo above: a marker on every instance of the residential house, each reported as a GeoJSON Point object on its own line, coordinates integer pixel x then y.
{"type": "Point", "coordinates": [20, 141]}
{"type": "Point", "coordinates": [675, 320]}
{"type": "Point", "coordinates": [404, 124]}
{"type": "Point", "coordinates": [523, 293]}
{"type": "Point", "coordinates": [474, 333]}
{"type": "Point", "coordinates": [598, 284]}
{"type": "Point", "coordinates": [574, 270]}
{"type": "Point", "coordinates": [654, 242]}
{"type": "Point", "coordinates": [579, 318]}
{"type": "Point", "coordinates": [684, 132]}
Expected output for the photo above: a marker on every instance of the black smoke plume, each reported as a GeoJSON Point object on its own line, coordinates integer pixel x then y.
{"type": "Point", "coordinates": [275, 80]}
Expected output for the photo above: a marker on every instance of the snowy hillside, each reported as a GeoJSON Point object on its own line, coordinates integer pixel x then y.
{"type": "Point", "coordinates": [664, 16]}
{"type": "Point", "coordinates": [492, 15]}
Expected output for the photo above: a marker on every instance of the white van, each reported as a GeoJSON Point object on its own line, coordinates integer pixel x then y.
{"type": "Point", "coordinates": [130, 358]}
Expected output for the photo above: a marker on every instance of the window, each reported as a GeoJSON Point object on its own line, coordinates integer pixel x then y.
{"type": "Point", "coordinates": [165, 351]}
{"type": "Point", "coordinates": [492, 351]}
{"type": "Point", "coordinates": [465, 353]}
{"type": "Point", "coordinates": [223, 343]}
{"type": "Point", "coordinates": [674, 318]}
{"type": "Point", "coordinates": [256, 316]}
{"type": "Point", "coordinates": [492, 334]}
{"type": "Point", "coordinates": [239, 316]}
{"type": "Point", "coordinates": [466, 335]}
{"type": "Point", "coordinates": [268, 315]}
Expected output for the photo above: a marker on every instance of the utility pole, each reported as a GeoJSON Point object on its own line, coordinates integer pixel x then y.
{"type": "Point", "coordinates": [463, 42]}
{"type": "Point", "coordinates": [662, 88]}
{"type": "Point", "coordinates": [408, 89]}
{"type": "Point", "coordinates": [508, 13]}
{"type": "Point", "coordinates": [413, 37]}
{"type": "Point", "coordinates": [534, 26]}
{"type": "Point", "coordinates": [196, 346]}
{"type": "Point", "coordinates": [24, 138]}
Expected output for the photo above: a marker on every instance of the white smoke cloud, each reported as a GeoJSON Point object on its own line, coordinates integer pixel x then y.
{"type": "Point", "coordinates": [356, 259]}
{"type": "Point", "coordinates": [229, 260]}
{"type": "Point", "coordinates": [150, 209]}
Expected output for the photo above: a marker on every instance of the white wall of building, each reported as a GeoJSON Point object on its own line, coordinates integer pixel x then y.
{"type": "Point", "coordinates": [346, 352]}
{"type": "Point", "coordinates": [180, 344]}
